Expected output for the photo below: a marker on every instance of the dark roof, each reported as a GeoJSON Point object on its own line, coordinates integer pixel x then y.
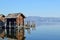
{"type": "Point", "coordinates": [14, 15]}
{"type": "Point", "coordinates": [2, 15]}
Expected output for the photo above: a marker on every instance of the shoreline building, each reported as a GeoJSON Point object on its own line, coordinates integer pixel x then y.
{"type": "Point", "coordinates": [14, 25]}
{"type": "Point", "coordinates": [2, 20]}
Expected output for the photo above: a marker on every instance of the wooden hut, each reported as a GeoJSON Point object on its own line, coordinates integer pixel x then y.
{"type": "Point", "coordinates": [2, 26]}
{"type": "Point", "coordinates": [12, 22]}
{"type": "Point", "coordinates": [2, 20]}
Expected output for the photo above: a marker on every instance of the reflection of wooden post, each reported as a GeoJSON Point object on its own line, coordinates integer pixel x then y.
{"type": "Point", "coordinates": [9, 28]}
{"type": "Point", "coordinates": [20, 35]}
{"type": "Point", "coordinates": [5, 27]}
{"type": "Point", "coordinates": [2, 34]}
{"type": "Point", "coordinates": [33, 25]}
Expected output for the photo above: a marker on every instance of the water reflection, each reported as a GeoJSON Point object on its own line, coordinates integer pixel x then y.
{"type": "Point", "coordinates": [11, 31]}
{"type": "Point", "coordinates": [29, 28]}
{"type": "Point", "coordinates": [29, 31]}
{"type": "Point", "coordinates": [43, 31]}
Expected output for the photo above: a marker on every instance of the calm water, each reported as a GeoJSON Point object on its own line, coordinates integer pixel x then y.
{"type": "Point", "coordinates": [43, 32]}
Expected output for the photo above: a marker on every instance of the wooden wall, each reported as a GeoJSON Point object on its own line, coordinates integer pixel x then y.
{"type": "Point", "coordinates": [20, 20]}
{"type": "Point", "coordinates": [2, 18]}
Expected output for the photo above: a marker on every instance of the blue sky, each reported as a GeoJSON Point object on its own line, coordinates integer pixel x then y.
{"type": "Point", "coordinates": [42, 8]}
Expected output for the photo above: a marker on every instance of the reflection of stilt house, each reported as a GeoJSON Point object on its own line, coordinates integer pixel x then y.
{"type": "Point", "coordinates": [14, 21]}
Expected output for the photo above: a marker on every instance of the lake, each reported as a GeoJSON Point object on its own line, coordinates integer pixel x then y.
{"type": "Point", "coordinates": [43, 32]}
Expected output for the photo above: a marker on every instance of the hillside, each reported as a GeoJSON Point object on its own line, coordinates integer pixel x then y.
{"type": "Point", "coordinates": [43, 20]}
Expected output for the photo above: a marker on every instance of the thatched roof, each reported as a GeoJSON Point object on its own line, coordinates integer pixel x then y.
{"type": "Point", "coordinates": [14, 15]}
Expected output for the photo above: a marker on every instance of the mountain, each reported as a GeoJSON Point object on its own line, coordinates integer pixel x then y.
{"type": "Point", "coordinates": [43, 20]}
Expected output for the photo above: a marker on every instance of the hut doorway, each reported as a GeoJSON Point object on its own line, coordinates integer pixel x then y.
{"type": "Point", "coordinates": [11, 27]}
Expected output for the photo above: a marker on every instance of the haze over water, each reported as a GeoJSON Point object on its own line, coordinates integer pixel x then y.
{"type": "Point", "coordinates": [44, 32]}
